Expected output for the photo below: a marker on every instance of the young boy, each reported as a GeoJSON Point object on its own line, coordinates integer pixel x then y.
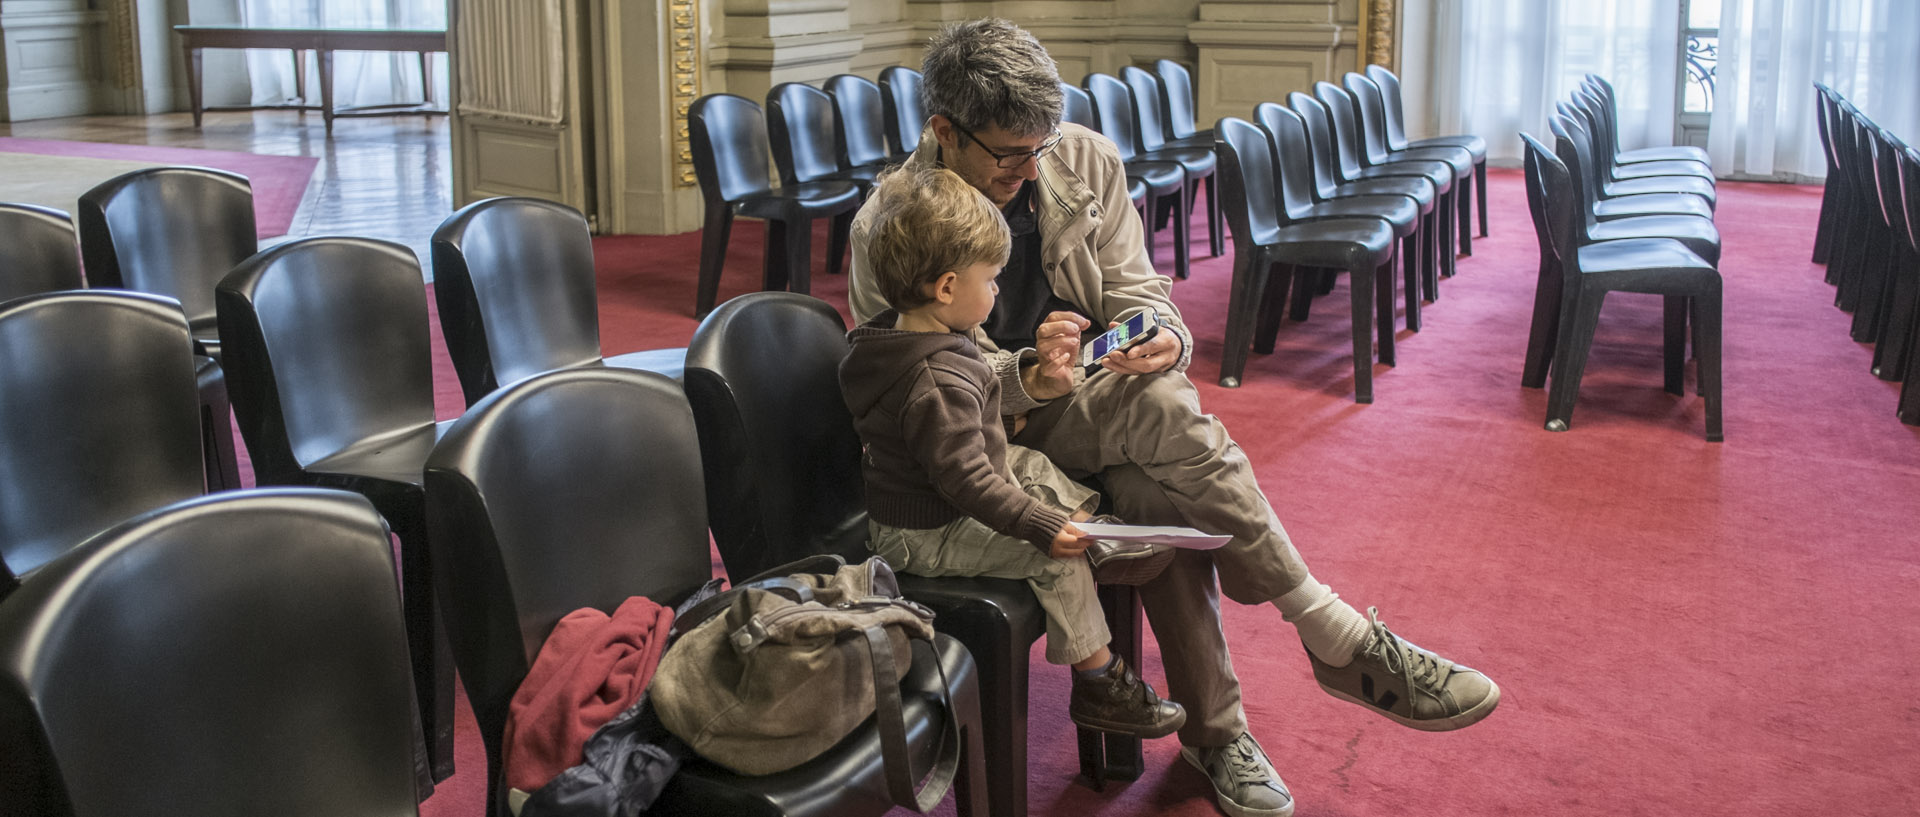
{"type": "Point", "coordinates": [945, 492]}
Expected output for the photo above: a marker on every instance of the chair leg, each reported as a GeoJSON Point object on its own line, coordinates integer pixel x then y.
{"type": "Point", "coordinates": [1409, 263]}
{"type": "Point", "coordinates": [1674, 345]}
{"type": "Point", "coordinates": [1250, 271]}
{"type": "Point", "coordinates": [1306, 285]}
{"type": "Point", "coordinates": [1872, 286]}
{"type": "Point", "coordinates": [1383, 281]}
{"type": "Point", "coordinates": [1361, 283]}
{"type": "Point", "coordinates": [1577, 323]}
{"type": "Point", "coordinates": [789, 253]}
{"type": "Point", "coordinates": [1216, 227]}
{"type": "Point", "coordinates": [1182, 249]}
{"type": "Point", "coordinates": [216, 429]}
{"type": "Point", "coordinates": [840, 230]}
{"type": "Point", "coordinates": [1146, 228]}
{"type": "Point", "coordinates": [1465, 214]}
{"type": "Point", "coordinates": [432, 655]}
{"type": "Point", "coordinates": [1430, 253]}
{"type": "Point", "coordinates": [1823, 229]}
{"type": "Point", "coordinates": [1448, 246]}
{"type": "Point", "coordinates": [1480, 192]}
{"type": "Point", "coordinates": [1106, 757]}
{"type": "Point", "coordinates": [1545, 328]}
{"type": "Point", "coordinates": [1909, 408]}
{"type": "Point", "coordinates": [1273, 310]}
{"type": "Point", "coordinates": [713, 256]}
{"type": "Point", "coordinates": [1706, 346]}
{"type": "Point", "coordinates": [1890, 360]}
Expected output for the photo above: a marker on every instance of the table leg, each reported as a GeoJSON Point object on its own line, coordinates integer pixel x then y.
{"type": "Point", "coordinates": [426, 78]}
{"type": "Point", "coordinates": [193, 84]}
{"type": "Point", "coordinates": [300, 74]}
{"type": "Point", "coordinates": [326, 88]}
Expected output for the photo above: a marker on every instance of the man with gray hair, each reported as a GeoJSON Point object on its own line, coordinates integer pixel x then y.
{"type": "Point", "coordinates": [1078, 262]}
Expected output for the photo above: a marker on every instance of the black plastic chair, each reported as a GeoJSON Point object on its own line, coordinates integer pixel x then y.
{"type": "Point", "coordinates": [801, 126]}
{"type": "Point", "coordinates": [783, 482]}
{"type": "Point", "coordinates": [1076, 107]}
{"type": "Point", "coordinates": [1909, 408]}
{"type": "Point", "coordinates": [1348, 151]}
{"type": "Point", "coordinates": [1370, 110]}
{"type": "Point", "coordinates": [581, 488]}
{"type": "Point", "coordinates": [1831, 193]}
{"type": "Point", "coordinates": [1149, 100]}
{"type": "Point", "coordinates": [97, 418]}
{"type": "Point", "coordinates": [1176, 107]}
{"type": "Point", "coordinates": [1328, 184]}
{"type": "Point", "coordinates": [730, 150]}
{"type": "Point", "coordinates": [236, 654]}
{"type": "Point", "coordinates": [1658, 153]}
{"type": "Point", "coordinates": [1697, 234]}
{"type": "Point", "coordinates": [859, 117]}
{"type": "Point", "coordinates": [1295, 188]}
{"type": "Point", "coordinates": [1609, 174]}
{"type": "Point", "coordinates": [1885, 312]}
{"type": "Point", "coordinates": [513, 278]}
{"type": "Point", "coordinates": [1612, 200]}
{"type": "Point", "coordinates": [327, 352]}
{"type": "Point", "coordinates": [1263, 238]}
{"type": "Point", "coordinates": [1476, 147]}
{"type": "Point", "coordinates": [1591, 269]}
{"type": "Point", "coordinates": [1166, 181]}
{"type": "Point", "coordinates": [1600, 118]}
{"type": "Point", "coordinates": [904, 108]}
{"type": "Point", "coordinates": [39, 251]}
{"type": "Point", "coordinates": [176, 231]}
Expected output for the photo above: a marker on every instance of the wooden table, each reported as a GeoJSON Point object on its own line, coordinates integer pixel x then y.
{"type": "Point", "coordinates": [322, 40]}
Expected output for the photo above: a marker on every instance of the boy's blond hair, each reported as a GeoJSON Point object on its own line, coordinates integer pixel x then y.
{"type": "Point", "coordinates": [929, 222]}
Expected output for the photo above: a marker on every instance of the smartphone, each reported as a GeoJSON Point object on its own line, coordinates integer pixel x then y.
{"type": "Point", "coordinates": [1140, 328]}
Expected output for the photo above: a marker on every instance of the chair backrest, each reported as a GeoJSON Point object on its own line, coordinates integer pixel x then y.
{"type": "Point", "coordinates": [1077, 107]}
{"type": "Point", "coordinates": [39, 251]}
{"type": "Point", "coordinates": [513, 278]}
{"type": "Point", "coordinates": [1574, 146]}
{"type": "Point", "coordinates": [905, 108]}
{"type": "Point", "coordinates": [1910, 195]}
{"type": "Point", "coordinates": [1313, 115]}
{"type": "Point", "coordinates": [173, 231]}
{"type": "Point", "coordinates": [1293, 159]}
{"type": "Point", "coordinates": [1536, 155]}
{"type": "Point", "coordinates": [1176, 87]}
{"type": "Point", "coordinates": [800, 126]}
{"type": "Point", "coordinates": [1561, 204]}
{"type": "Point", "coordinates": [1246, 184]}
{"type": "Point", "coordinates": [1882, 146]}
{"type": "Point", "coordinates": [1113, 109]}
{"type": "Point", "coordinates": [1394, 115]}
{"type": "Point", "coordinates": [99, 418]}
{"type": "Point", "coordinates": [236, 654]}
{"type": "Point", "coordinates": [859, 137]}
{"type": "Point", "coordinates": [1148, 106]}
{"type": "Point", "coordinates": [326, 347]}
{"type": "Point", "coordinates": [1346, 128]}
{"type": "Point", "coordinates": [1597, 117]}
{"type": "Point", "coordinates": [571, 489]}
{"type": "Point", "coordinates": [782, 456]}
{"type": "Point", "coordinates": [1372, 115]}
{"type": "Point", "coordinates": [729, 136]}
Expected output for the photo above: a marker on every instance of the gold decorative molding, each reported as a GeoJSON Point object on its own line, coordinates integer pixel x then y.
{"type": "Point", "coordinates": [1377, 34]}
{"type": "Point", "coordinates": [683, 37]}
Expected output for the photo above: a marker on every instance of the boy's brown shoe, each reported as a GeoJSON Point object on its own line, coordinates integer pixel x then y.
{"type": "Point", "coordinates": [1410, 685]}
{"type": "Point", "coordinates": [1118, 701]}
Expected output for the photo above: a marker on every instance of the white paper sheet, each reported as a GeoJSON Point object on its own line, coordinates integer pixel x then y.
{"type": "Point", "coordinates": [1163, 535]}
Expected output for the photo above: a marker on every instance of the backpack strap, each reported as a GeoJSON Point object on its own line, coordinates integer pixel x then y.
{"type": "Point", "coordinates": [890, 715]}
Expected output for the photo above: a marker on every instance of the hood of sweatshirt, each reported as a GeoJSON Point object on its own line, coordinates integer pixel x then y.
{"type": "Point", "coordinates": [881, 355]}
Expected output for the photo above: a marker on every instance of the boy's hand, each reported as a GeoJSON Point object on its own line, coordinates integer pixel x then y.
{"type": "Point", "coordinates": [1069, 543]}
{"type": "Point", "coordinates": [1057, 343]}
{"type": "Point", "coordinates": [1155, 355]}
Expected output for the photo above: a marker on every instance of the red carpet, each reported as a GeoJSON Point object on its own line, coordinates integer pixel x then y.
{"type": "Point", "coordinates": [278, 181]}
{"type": "Point", "coordinates": [1679, 628]}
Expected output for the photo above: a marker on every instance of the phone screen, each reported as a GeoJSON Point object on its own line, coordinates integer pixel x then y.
{"type": "Point", "coordinates": [1118, 336]}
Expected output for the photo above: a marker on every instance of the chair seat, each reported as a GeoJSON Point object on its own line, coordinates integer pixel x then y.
{"type": "Point", "coordinates": [1420, 191]}
{"type": "Point", "coordinates": [1161, 178]}
{"type": "Point", "coordinates": [392, 458]}
{"type": "Point", "coordinates": [1662, 153]}
{"type": "Point", "coordinates": [1657, 265]}
{"type": "Point", "coordinates": [670, 362]}
{"type": "Point", "coordinates": [1456, 158]}
{"type": "Point", "coordinates": [1683, 169]}
{"type": "Point", "coordinates": [1438, 174]}
{"type": "Point", "coordinates": [1399, 211]}
{"type": "Point", "coordinates": [1647, 204]}
{"type": "Point", "coordinates": [1698, 234]}
{"type": "Point", "coordinates": [1200, 140]}
{"type": "Point", "coordinates": [1354, 243]}
{"type": "Point", "coordinates": [1136, 190]}
{"type": "Point", "coordinates": [1692, 185]}
{"type": "Point", "coordinates": [808, 200]}
{"type": "Point", "coordinates": [1474, 145]}
{"type": "Point", "coordinates": [1197, 162]}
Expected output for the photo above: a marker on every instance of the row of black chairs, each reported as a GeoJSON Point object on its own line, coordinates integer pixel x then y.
{"type": "Point", "coordinates": [1609, 220]}
{"type": "Point", "coordinates": [1868, 235]}
{"type": "Point", "coordinates": [327, 342]}
{"type": "Point", "coordinates": [1313, 188]}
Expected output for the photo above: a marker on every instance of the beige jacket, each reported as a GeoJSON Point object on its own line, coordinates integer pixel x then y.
{"type": "Point", "coordinates": [1092, 251]}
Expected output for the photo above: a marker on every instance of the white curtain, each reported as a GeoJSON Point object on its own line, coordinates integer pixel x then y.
{"type": "Point", "coordinates": [1500, 66]}
{"type": "Point", "coordinates": [359, 78]}
{"type": "Point", "coordinates": [1771, 53]}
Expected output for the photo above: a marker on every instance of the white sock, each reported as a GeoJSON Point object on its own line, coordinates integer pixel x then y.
{"type": "Point", "coordinates": [1332, 630]}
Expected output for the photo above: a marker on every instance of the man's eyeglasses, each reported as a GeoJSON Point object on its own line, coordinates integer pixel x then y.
{"type": "Point", "coordinates": [1009, 161]}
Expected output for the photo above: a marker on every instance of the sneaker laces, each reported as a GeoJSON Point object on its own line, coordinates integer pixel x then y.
{"type": "Point", "coordinates": [1420, 666]}
{"type": "Point", "coordinates": [1244, 762]}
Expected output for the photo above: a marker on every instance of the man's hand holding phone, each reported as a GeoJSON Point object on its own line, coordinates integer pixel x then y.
{"type": "Point", "coordinates": [1134, 346]}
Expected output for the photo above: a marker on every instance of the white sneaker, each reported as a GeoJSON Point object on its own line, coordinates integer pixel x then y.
{"type": "Point", "coordinates": [1243, 778]}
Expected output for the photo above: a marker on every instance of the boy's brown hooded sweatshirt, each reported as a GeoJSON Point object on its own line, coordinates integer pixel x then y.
{"type": "Point", "coordinates": [927, 407]}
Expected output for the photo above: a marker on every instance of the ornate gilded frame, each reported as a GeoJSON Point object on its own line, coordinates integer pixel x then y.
{"type": "Point", "coordinates": [1377, 33]}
